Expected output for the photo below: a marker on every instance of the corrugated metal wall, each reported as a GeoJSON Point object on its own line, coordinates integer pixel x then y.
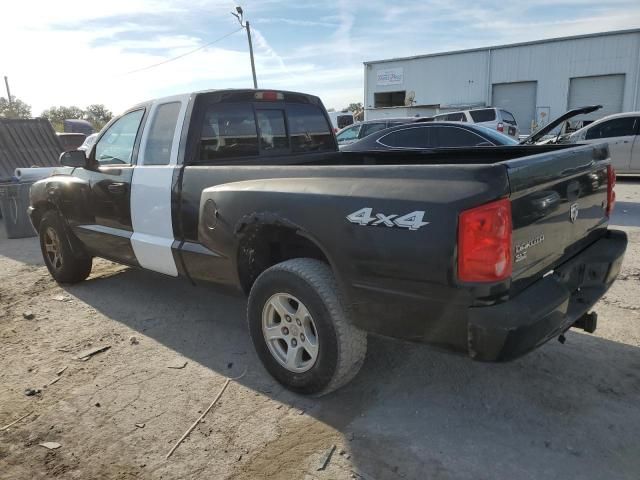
{"type": "Point", "coordinates": [467, 77]}
{"type": "Point", "coordinates": [27, 143]}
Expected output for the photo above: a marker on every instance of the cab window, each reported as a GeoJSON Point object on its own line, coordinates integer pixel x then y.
{"type": "Point", "coordinates": [228, 131]}
{"type": "Point", "coordinates": [273, 133]}
{"type": "Point", "coordinates": [116, 145]}
{"type": "Point", "coordinates": [309, 129]}
{"type": "Point", "coordinates": [159, 143]}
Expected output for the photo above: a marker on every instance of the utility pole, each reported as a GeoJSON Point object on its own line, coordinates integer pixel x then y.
{"type": "Point", "coordinates": [245, 25]}
{"type": "Point", "coordinates": [6, 83]}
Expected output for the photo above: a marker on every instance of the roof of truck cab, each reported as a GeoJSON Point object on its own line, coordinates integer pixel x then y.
{"type": "Point", "coordinates": [215, 90]}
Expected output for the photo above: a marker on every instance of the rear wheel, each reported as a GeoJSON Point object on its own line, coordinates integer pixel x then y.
{"type": "Point", "coordinates": [299, 328]}
{"type": "Point", "coordinates": [63, 264]}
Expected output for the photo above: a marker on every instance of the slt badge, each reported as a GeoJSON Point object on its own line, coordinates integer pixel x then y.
{"type": "Point", "coordinates": [412, 221]}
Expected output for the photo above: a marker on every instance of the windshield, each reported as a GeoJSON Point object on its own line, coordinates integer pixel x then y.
{"type": "Point", "coordinates": [348, 134]}
{"type": "Point", "coordinates": [495, 136]}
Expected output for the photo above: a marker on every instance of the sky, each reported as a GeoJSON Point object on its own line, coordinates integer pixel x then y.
{"type": "Point", "coordinates": [79, 52]}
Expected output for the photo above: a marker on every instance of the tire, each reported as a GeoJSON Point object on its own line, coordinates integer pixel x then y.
{"type": "Point", "coordinates": [307, 287]}
{"type": "Point", "coordinates": [63, 264]}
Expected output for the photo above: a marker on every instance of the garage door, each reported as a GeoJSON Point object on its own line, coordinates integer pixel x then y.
{"type": "Point", "coordinates": [605, 90]}
{"type": "Point", "coordinates": [518, 98]}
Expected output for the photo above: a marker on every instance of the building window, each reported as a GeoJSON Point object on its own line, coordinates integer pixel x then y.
{"type": "Point", "coordinates": [389, 99]}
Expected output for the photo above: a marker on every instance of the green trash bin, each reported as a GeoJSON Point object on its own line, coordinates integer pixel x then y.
{"type": "Point", "coordinates": [14, 201]}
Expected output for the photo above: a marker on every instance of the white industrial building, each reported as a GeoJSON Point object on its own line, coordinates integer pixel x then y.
{"type": "Point", "coordinates": [533, 80]}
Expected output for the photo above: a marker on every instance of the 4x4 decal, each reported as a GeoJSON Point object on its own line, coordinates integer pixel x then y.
{"type": "Point", "coordinates": [365, 216]}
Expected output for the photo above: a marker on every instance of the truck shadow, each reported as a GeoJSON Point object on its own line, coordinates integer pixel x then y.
{"type": "Point", "coordinates": [626, 214]}
{"type": "Point", "coordinates": [25, 250]}
{"type": "Point", "coordinates": [415, 412]}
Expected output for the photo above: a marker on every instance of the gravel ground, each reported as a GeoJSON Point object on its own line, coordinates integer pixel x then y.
{"type": "Point", "coordinates": [564, 411]}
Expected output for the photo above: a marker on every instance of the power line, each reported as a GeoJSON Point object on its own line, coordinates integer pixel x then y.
{"type": "Point", "coordinates": [184, 54]}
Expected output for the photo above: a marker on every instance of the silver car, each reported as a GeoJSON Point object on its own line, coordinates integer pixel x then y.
{"type": "Point", "coordinates": [622, 132]}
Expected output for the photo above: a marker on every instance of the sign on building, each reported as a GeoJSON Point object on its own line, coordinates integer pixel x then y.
{"type": "Point", "coordinates": [391, 76]}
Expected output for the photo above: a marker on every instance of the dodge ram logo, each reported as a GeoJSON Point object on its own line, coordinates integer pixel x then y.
{"type": "Point", "coordinates": [573, 214]}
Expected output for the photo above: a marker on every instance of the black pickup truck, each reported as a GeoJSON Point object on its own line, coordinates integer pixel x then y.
{"type": "Point", "coordinates": [489, 251]}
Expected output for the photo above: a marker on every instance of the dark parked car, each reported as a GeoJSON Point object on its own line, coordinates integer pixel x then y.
{"type": "Point", "coordinates": [358, 131]}
{"type": "Point", "coordinates": [431, 135]}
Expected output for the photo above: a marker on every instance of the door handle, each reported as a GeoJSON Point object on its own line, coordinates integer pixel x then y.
{"type": "Point", "coordinates": [117, 187]}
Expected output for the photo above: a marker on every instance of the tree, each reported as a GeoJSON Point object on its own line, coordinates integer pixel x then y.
{"type": "Point", "coordinates": [18, 108]}
{"type": "Point", "coordinates": [98, 115]}
{"type": "Point", "coordinates": [357, 110]}
{"type": "Point", "coordinates": [355, 107]}
{"type": "Point", "coordinates": [57, 115]}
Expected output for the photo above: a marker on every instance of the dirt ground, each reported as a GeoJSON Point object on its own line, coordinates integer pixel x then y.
{"type": "Point", "coordinates": [563, 411]}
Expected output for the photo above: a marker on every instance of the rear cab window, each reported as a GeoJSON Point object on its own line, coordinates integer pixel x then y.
{"type": "Point", "coordinates": [309, 129]}
{"type": "Point", "coordinates": [228, 131]}
{"type": "Point", "coordinates": [483, 115]}
{"type": "Point", "coordinates": [273, 131]}
{"type": "Point", "coordinates": [240, 130]}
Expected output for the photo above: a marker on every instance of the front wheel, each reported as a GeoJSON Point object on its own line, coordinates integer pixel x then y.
{"type": "Point", "coordinates": [63, 264]}
{"type": "Point", "coordinates": [299, 328]}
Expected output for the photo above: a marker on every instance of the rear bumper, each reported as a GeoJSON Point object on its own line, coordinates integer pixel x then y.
{"type": "Point", "coordinates": [548, 307]}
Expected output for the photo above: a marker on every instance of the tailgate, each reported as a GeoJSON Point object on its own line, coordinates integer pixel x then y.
{"type": "Point", "coordinates": [559, 202]}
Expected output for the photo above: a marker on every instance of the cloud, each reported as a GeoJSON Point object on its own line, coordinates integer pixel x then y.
{"type": "Point", "coordinates": [66, 53]}
{"type": "Point", "coordinates": [297, 22]}
{"type": "Point", "coordinates": [264, 46]}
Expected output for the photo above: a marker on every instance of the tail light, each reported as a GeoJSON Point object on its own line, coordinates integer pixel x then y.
{"type": "Point", "coordinates": [500, 127]}
{"type": "Point", "coordinates": [268, 96]}
{"type": "Point", "coordinates": [611, 193]}
{"type": "Point", "coordinates": [484, 243]}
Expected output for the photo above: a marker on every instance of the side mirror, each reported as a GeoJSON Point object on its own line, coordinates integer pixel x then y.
{"type": "Point", "coordinates": [73, 158]}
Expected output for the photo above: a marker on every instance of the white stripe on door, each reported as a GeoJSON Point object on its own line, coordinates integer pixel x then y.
{"type": "Point", "coordinates": [151, 194]}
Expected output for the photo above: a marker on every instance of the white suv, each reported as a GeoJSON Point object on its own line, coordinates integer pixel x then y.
{"type": "Point", "coordinates": [494, 118]}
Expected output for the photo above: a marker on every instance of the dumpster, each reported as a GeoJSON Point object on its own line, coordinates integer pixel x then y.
{"type": "Point", "coordinates": [14, 201]}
